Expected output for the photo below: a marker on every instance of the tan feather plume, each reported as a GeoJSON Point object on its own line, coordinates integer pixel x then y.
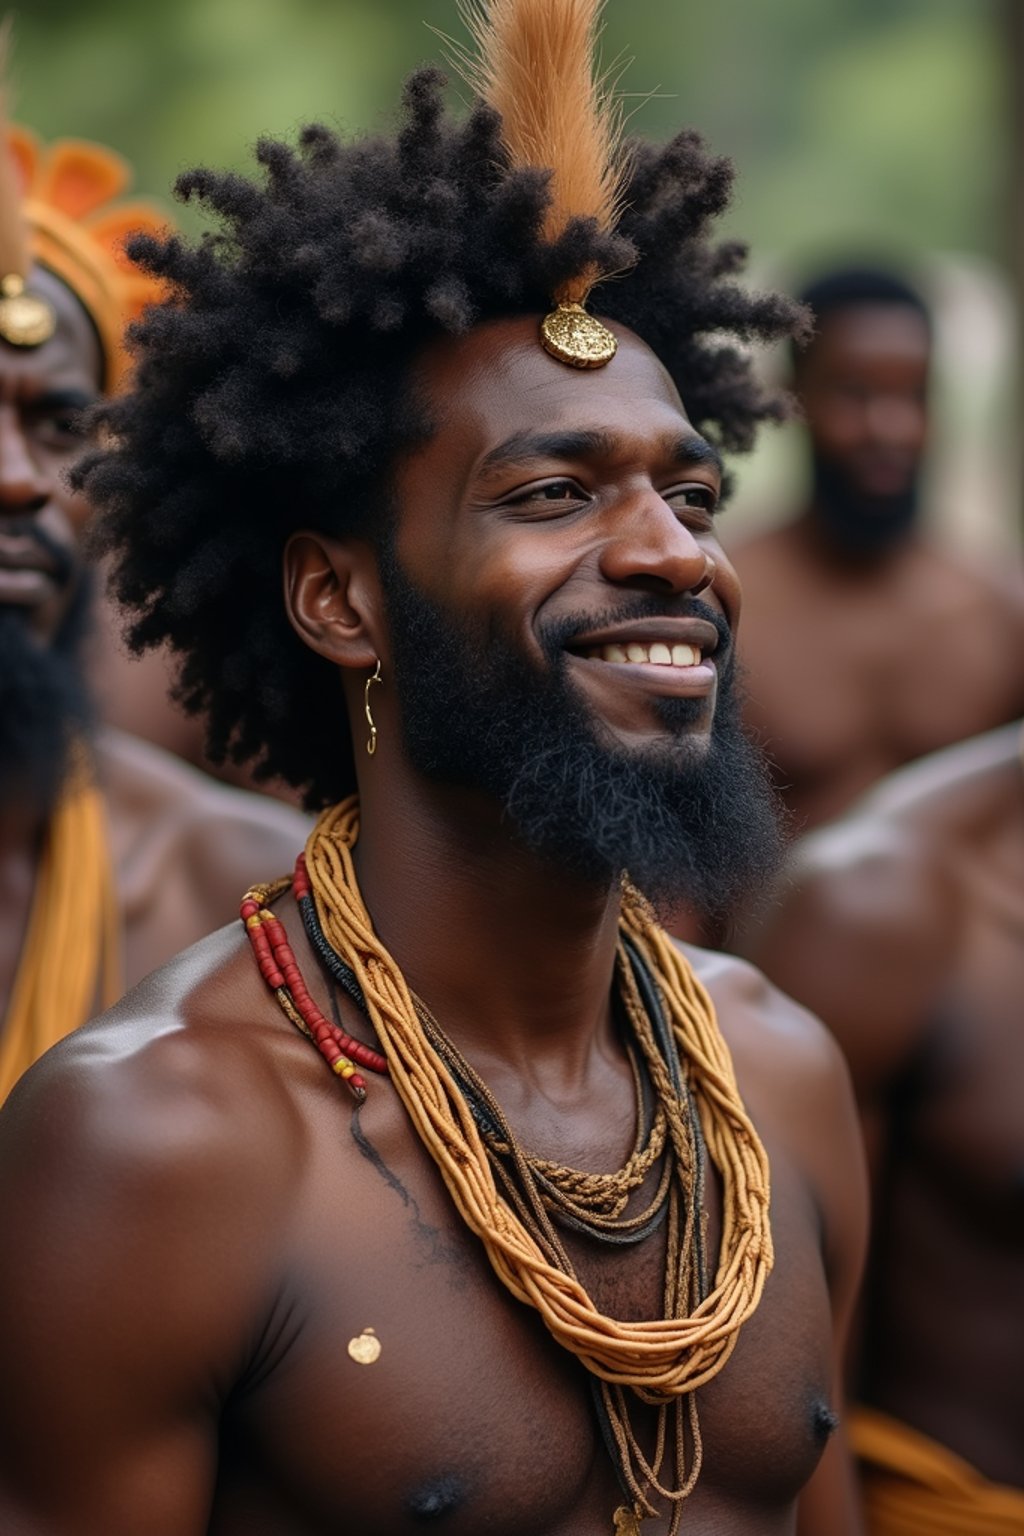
{"type": "Point", "coordinates": [15, 259]}
{"type": "Point", "coordinates": [534, 62]}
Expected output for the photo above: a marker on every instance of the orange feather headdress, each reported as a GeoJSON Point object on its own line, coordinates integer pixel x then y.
{"type": "Point", "coordinates": [57, 208]}
{"type": "Point", "coordinates": [534, 62]}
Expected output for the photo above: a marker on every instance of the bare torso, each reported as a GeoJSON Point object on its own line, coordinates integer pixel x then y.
{"type": "Point", "coordinates": [289, 1224]}
{"type": "Point", "coordinates": [852, 674]}
{"type": "Point", "coordinates": [913, 912]}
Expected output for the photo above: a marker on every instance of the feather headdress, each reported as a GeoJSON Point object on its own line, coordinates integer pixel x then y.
{"type": "Point", "coordinates": [534, 63]}
{"type": "Point", "coordinates": [26, 319]}
{"type": "Point", "coordinates": [60, 206]}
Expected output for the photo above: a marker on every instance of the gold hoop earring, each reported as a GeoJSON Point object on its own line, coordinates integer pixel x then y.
{"type": "Point", "coordinates": [371, 740]}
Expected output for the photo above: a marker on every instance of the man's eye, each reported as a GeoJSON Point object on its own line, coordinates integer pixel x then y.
{"type": "Point", "coordinates": [555, 490]}
{"type": "Point", "coordinates": [69, 423]}
{"type": "Point", "coordinates": [699, 496]}
{"type": "Point", "coordinates": [64, 426]}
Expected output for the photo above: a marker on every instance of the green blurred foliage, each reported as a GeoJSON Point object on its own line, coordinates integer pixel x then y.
{"type": "Point", "coordinates": [876, 122]}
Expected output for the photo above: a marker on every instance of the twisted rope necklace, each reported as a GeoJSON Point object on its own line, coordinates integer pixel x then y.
{"type": "Point", "coordinates": [664, 1360]}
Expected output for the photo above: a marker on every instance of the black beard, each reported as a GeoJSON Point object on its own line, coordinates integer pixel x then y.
{"type": "Point", "coordinates": [44, 705]}
{"type": "Point", "coordinates": [699, 825]}
{"type": "Point", "coordinates": [860, 527]}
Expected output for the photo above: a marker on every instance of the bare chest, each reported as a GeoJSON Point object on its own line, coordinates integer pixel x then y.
{"type": "Point", "coordinates": [861, 686]}
{"type": "Point", "coordinates": [398, 1381]}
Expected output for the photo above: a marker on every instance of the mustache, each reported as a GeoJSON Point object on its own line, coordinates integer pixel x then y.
{"type": "Point", "coordinates": [558, 633]}
{"type": "Point", "coordinates": [62, 562]}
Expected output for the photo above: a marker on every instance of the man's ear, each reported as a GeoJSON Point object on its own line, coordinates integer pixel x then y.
{"type": "Point", "coordinates": [332, 594]}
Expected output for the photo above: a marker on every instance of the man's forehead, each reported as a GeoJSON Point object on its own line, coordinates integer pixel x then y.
{"type": "Point", "coordinates": [862, 330]}
{"type": "Point", "coordinates": [74, 347]}
{"type": "Point", "coordinates": [497, 382]}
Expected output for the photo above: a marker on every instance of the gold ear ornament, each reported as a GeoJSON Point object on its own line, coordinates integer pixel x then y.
{"type": "Point", "coordinates": [371, 740]}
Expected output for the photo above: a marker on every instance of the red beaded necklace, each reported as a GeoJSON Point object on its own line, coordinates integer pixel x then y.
{"type": "Point", "coordinates": [279, 969]}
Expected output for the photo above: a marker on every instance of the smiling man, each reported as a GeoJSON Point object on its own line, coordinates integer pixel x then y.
{"type": "Point", "coordinates": [449, 1189]}
{"type": "Point", "coordinates": [111, 857]}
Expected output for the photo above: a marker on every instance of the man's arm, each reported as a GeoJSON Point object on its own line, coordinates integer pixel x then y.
{"type": "Point", "coordinates": [862, 921]}
{"type": "Point", "coordinates": [134, 1264]}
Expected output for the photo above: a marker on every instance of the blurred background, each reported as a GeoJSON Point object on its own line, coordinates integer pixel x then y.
{"type": "Point", "coordinates": [875, 128]}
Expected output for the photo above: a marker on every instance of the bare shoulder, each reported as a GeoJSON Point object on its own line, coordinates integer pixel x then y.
{"type": "Point", "coordinates": [180, 1080]}
{"type": "Point", "coordinates": [161, 1147]}
{"type": "Point", "coordinates": [152, 793]}
{"type": "Point", "coordinates": [776, 1044]}
{"type": "Point", "coordinates": [795, 1084]}
{"type": "Point", "coordinates": [151, 1173]}
{"type": "Point", "coordinates": [869, 910]}
{"type": "Point", "coordinates": [185, 847]}
{"type": "Point", "coordinates": [949, 582]}
{"type": "Point", "coordinates": [886, 872]}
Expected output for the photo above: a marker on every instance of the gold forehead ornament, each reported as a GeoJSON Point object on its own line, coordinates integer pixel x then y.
{"type": "Point", "coordinates": [534, 63]}
{"type": "Point", "coordinates": [576, 337]}
{"type": "Point", "coordinates": [26, 320]}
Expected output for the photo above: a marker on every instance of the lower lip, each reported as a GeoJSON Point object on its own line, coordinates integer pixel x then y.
{"type": "Point", "coordinates": [683, 682]}
{"type": "Point", "coordinates": [25, 586]}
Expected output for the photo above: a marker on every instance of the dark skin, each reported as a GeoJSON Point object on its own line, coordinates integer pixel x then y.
{"type": "Point", "coordinates": [183, 848]}
{"type": "Point", "coordinates": [244, 1223]}
{"type": "Point", "coordinates": [857, 666]}
{"type": "Point", "coordinates": [133, 694]}
{"type": "Point", "coordinates": [902, 928]}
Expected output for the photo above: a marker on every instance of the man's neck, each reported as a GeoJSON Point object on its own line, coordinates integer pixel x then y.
{"type": "Point", "coordinates": [811, 532]}
{"type": "Point", "coordinates": [514, 957]}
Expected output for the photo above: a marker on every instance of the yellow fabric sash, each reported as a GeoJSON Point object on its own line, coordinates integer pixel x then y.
{"type": "Point", "coordinates": [913, 1486]}
{"type": "Point", "coordinates": [70, 963]}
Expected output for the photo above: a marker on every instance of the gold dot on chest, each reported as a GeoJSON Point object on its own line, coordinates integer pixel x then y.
{"type": "Point", "coordinates": [626, 1522]}
{"type": "Point", "coordinates": [365, 1348]}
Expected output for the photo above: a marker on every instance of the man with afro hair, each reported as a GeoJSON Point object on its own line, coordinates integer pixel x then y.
{"type": "Point", "coordinates": [316, 1232]}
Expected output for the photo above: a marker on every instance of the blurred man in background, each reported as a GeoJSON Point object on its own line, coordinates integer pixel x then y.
{"type": "Point", "coordinates": [865, 645]}
{"type": "Point", "coordinates": [901, 927]}
{"type": "Point", "coordinates": [112, 855]}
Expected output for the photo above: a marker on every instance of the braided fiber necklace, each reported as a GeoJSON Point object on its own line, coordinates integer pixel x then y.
{"type": "Point", "coordinates": [511, 1202]}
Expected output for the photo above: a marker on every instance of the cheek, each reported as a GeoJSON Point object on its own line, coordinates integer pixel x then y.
{"type": "Point", "coordinates": [726, 587]}
{"type": "Point", "coordinates": [76, 509]}
{"type": "Point", "coordinates": [501, 573]}
{"type": "Point", "coordinates": [837, 424]}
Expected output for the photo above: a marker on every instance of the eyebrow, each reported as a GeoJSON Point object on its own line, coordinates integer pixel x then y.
{"type": "Point", "coordinates": [525, 447]}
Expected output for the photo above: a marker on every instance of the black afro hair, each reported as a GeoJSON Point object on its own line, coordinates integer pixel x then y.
{"type": "Point", "coordinates": [840, 289]}
{"type": "Point", "coordinates": [271, 390]}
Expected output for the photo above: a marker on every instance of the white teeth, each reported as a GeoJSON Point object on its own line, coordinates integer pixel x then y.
{"type": "Point", "coordinates": [659, 654]}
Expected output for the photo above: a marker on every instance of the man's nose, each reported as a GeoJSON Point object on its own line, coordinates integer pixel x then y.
{"type": "Point", "coordinates": [24, 485]}
{"type": "Point", "coordinates": [650, 549]}
{"type": "Point", "coordinates": [897, 421]}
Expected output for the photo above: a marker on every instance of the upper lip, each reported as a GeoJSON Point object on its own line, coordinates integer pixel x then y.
{"type": "Point", "coordinates": [19, 553]}
{"type": "Point", "coordinates": [702, 635]}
